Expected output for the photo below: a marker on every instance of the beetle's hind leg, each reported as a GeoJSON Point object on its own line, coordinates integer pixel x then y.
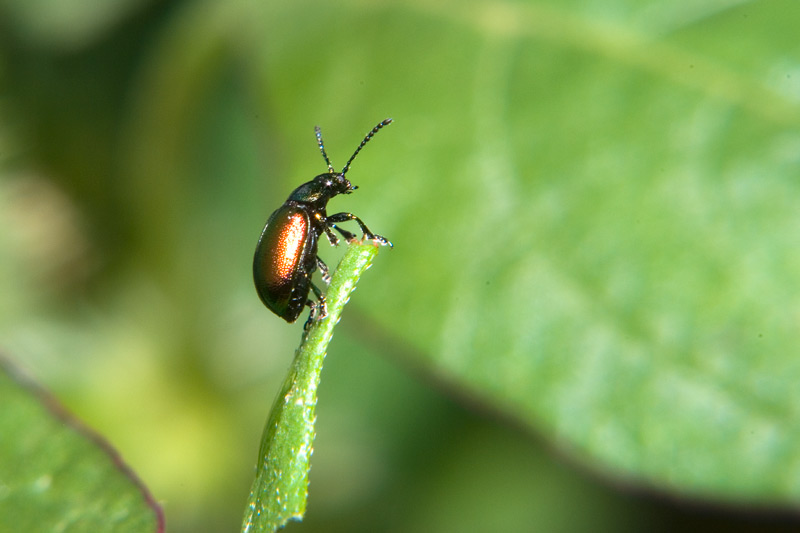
{"type": "Point", "coordinates": [344, 217]}
{"type": "Point", "coordinates": [318, 309]}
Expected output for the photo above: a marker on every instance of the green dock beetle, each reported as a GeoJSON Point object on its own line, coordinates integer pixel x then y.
{"type": "Point", "coordinates": [286, 254]}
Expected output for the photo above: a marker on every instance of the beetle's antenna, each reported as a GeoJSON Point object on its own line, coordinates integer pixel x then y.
{"type": "Point", "coordinates": [365, 141]}
{"type": "Point", "coordinates": [318, 131]}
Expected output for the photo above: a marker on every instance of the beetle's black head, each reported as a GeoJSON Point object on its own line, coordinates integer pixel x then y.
{"type": "Point", "coordinates": [334, 183]}
{"type": "Point", "coordinates": [318, 191]}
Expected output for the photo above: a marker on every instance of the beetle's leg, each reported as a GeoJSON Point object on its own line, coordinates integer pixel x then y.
{"type": "Point", "coordinates": [320, 306]}
{"type": "Point", "coordinates": [343, 217]}
{"type": "Point", "coordinates": [323, 269]}
{"type": "Point", "coordinates": [346, 234]}
{"type": "Point", "coordinates": [332, 238]}
{"type": "Point", "coordinates": [323, 308]}
{"type": "Point", "coordinates": [317, 308]}
{"type": "Point", "coordinates": [310, 318]}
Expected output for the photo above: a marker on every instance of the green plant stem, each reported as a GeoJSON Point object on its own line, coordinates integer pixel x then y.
{"type": "Point", "coordinates": [280, 489]}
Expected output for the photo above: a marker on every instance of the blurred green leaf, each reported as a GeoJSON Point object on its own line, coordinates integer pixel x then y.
{"type": "Point", "coordinates": [56, 476]}
{"type": "Point", "coordinates": [65, 24]}
{"type": "Point", "coordinates": [609, 251]}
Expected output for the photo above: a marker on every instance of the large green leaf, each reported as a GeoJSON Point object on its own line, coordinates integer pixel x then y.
{"type": "Point", "coordinates": [593, 215]}
{"type": "Point", "coordinates": [595, 218]}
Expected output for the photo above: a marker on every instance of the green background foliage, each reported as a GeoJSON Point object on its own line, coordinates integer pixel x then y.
{"type": "Point", "coordinates": [595, 227]}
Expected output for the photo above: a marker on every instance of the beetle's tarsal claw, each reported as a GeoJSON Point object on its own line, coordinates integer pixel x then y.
{"type": "Point", "coordinates": [383, 241]}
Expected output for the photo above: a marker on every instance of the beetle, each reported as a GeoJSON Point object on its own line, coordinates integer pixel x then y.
{"type": "Point", "coordinates": [286, 254]}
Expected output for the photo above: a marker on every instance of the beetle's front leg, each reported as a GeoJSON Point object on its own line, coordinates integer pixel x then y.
{"type": "Point", "coordinates": [346, 234]}
{"type": "Point", "coordinates": [343, 217]}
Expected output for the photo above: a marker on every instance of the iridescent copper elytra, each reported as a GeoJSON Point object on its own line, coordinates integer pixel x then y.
{"type": "Point", "coordinates": [286, 254]}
